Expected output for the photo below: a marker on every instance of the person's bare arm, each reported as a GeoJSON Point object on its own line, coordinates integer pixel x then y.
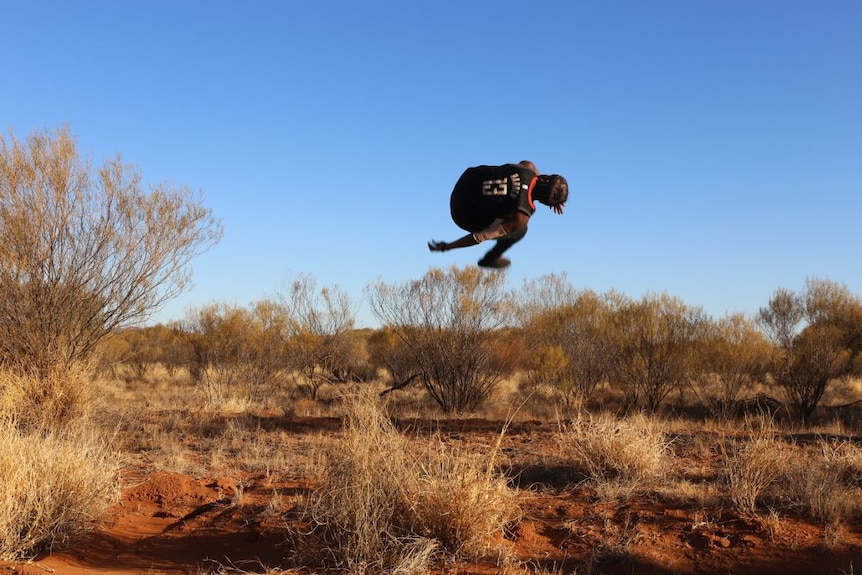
{"type": "Point", "coordinates": [513, 222]}
{"type": "Point", "coordinates": [463, 242]}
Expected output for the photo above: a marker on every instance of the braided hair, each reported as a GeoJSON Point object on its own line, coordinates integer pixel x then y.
{"type": "Point", "coordinates": [551, 190]}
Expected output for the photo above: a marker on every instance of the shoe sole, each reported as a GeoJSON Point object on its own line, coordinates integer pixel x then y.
{"type": "Point", "coordinates": [498, 263]}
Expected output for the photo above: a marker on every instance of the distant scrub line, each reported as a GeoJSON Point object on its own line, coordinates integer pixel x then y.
{"type": "Point", "coordinates": [458, 333]}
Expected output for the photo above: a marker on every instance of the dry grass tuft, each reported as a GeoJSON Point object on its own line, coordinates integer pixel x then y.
{"type": "Point", "coordinates": [382, 509]}
{"type": "Point", "coordinates": [461, 502]}
{"type": "Point", "coordinates": [823, 483]}
{"type": "Point", "coordinates": [753, 464]}
{"type": "Point", "coordinates": [618, 543]}
{"type": "Point", "coordinates": [63, 396]}
{"type": "Point", "coordinates": [363, 495]}
{"type": "Point", "coordinates": [610, 451]}
{"type": "Point", "coordinates": [53, 486]}
{"type": "Point", "coordinates": [846, 458]}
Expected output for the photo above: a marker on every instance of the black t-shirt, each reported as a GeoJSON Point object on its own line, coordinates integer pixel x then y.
{"type": "Point", "coordinates": [486, 193]}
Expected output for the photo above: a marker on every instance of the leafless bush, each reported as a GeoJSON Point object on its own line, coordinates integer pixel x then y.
{"type": "Point", "coordinates": [654, 340]}
{"type": "Point", "coordinates": [321, 345]}
{"type": "Point", "coordinates": [447, 321]}
{"type": "Point", "coordinates": [84, 250]}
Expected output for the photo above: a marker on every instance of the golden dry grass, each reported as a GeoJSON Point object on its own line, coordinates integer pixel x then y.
{"type": "Point", "coordinates": [617, 455]}
{"type": "Point", "coordinates": [823, 481]}
{"type": "Point", "coordinates": [394, 502]}
{"type": "Point", "coordinates": [51, 400]}
{"type": "Point", "coordinates": [54, 486]}
{"type": "Point", "coordinates": [383, 507]}
{"type": "Point", "coordinates": [752, 464]}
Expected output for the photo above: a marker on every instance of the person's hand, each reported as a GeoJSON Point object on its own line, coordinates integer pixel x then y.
{"type": "Point", "coordinates": [436, 246]}
{"type": "Point", "coordinates": [558, 209]}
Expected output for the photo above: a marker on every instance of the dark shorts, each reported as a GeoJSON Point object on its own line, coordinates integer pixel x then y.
{"type": "Point", "coordinates": [465, 213]}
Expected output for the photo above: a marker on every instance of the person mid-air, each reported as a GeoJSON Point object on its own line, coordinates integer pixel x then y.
{"type": "Point", "coordinates": [496, 203]}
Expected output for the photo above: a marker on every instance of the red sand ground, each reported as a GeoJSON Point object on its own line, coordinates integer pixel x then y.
{"type": "Point", "coordinates": [169, 523]}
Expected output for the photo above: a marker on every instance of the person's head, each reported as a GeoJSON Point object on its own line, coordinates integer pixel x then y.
{"type": "Point", "coordinates": [552, 190]}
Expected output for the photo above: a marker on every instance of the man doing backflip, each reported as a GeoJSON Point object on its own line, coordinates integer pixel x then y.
{"type": "Point", "coordinates": [496, 203]}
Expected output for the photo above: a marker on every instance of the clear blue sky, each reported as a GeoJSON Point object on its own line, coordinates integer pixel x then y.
{"type": "Point", "coordinates": [713, 149]}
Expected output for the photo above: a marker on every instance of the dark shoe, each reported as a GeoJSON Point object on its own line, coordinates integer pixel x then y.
{"type": "Point", "coordinates": [498, 263]}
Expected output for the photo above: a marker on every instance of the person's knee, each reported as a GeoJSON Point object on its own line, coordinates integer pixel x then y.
{"type": "Point", "coordinates": [514, 236]}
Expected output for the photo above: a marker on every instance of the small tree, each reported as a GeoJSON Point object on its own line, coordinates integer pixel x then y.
{"type": "Point", "coordinates": [654, 341]}
{"type": "Point", "coordinates": [817, 339]}
{"type": "Point", "coordinates": [142, 350]}
{"type": "Point", "coordinates": [84, 250]}
{"type": "Point", "coordinates": [174, 348]}
{"type": "Point", "coordinates": [447, 320]}
{"type": "Point", "coordinates": [321, 343]}
{"type": "Point", "coordinates": [731, 357]}
{"type": "Point", "coordinates": [240, 353]}
{"type": "Point", "coordinates": [568, 341]}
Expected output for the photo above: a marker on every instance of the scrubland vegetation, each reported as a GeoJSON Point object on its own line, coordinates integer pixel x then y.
{"type": "Point", "coordinates": [631, 400]}
{"type": "Point", "coordinates": [638, 399]}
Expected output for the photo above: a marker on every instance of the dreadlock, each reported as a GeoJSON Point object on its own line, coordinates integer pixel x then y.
{"type": "Point", "coordinates": [551, 190]}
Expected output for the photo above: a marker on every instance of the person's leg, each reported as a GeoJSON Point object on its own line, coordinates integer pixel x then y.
{"type": "Point", "coordinates": [494, 258]}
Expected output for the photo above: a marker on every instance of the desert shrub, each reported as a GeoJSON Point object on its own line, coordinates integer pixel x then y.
{"type": "Point", "coordinates": [381, 508]}
{"type": "Point", "coordinates": [653, 343]}
{"type": "Point", "coordinates": [141, 349]}
{"type": "Point", "coordinates": [732, 357]}
{"type": "Point", "coordinates": [605, 448]}
{"type": "Point", "coordinates": [568, 336]}
{"type": "Point", "coordinates": [53, 486]}
{"type": "Point", "coordinates": [818, 339]}
{"type": "Point", "coordinates": [752, 464]}
{"type": "Point", "coordinates": [447, 322]}
{"type": "Point", "coordinates": [319, 333]}
{"type": "Point", "coordinates": [86, 249]}
{"type": "Point", "coordinates": [304, 337]}
{"type": "Point", "coordinates": [238, 352]}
